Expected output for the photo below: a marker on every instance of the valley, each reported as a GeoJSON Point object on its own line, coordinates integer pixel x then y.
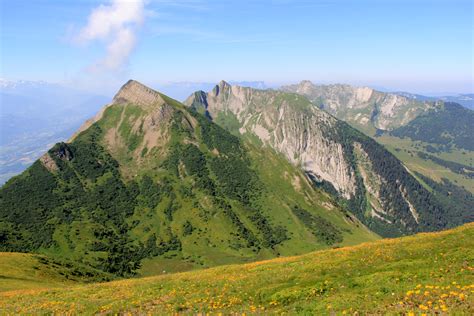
{"type": "Point", "coordinates": [407, 151]}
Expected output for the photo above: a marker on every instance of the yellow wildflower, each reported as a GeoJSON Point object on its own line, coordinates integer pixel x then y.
{"type": "Point", "coordinates": [423, 307]}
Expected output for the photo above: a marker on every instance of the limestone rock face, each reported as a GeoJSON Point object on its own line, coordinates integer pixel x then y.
{"type": "Point", "coordinates": [303, 136]}
{"type": "Point", "coordinates": [363, 107]}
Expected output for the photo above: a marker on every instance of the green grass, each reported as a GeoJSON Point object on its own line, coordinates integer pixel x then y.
{"type": "Point", "coordinates": [24, 271]}
{"type": "Point", "coordinates": [276, 175]}
{"type": "Point", "coordinates": [228, 121]}
{"type": "Point", "coordinates": [426, 273]}
{"type": "Point", "coordinates": [19, 271]}
{"type": "Point", "coordinates": [285, 186]}
{"type": "Point", "coordinates": [406, 150]}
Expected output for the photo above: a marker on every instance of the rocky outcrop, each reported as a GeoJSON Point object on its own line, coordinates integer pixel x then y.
{"type": "Point", "coordinates": [138, 94]}
{"type": "Point", "coordinates": [48, 163]}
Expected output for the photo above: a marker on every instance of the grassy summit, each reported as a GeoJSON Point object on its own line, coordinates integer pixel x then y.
{"type": "Point", "coordinates": [425, 273]}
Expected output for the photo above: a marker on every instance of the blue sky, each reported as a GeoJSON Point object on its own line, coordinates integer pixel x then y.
{"type": "Point", "coordinates": [418, 46]}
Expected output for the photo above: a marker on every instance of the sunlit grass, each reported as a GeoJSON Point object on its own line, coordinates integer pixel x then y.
{"type": "Point", "coordinates": [427, 273]}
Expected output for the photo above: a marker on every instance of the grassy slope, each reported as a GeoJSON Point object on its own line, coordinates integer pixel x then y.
{"type": "Point", "coordinates": [27, 271]}
{"type": "Point", "coordinates": [24, 271]}
{"type": "Point", "coordinates": [285, 185]}
{"type": "Point", "coordinates": [423, 273]}
{"type": "Point", "coordinates": [277, 174]}
{"type": "Point", "coordinates": [406, 149]}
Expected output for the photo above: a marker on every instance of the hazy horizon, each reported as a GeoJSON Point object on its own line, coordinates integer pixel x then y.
{"type": "Point", "coordinates": [182, 89]}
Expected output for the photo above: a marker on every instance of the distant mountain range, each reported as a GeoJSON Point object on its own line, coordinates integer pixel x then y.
{"type": "Point", "coordinates": [432, 120]}
{"type": "Point", "coordinates": [449, 125]}
{"type": "Point", "coordinates": [369, 110]}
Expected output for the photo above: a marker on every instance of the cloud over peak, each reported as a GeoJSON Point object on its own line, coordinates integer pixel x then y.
{"type": "Point", "coordinates": [116, 25]}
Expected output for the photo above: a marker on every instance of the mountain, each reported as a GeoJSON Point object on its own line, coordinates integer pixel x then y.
{"type": "Point", "coordinates": [416, 124]}
{"type": "Point", "coordinates": [439, 147]}
{"type": "Point", "coordinates": [35, 115]}
{"type": "Point", "coordinates": [421, 274]}
{"type": "Point", "coordinates": [433, 139]}
{"type": "Point", "coordinates": [368, 180]}
{"type": "Point", "coordinates": [450, 125]}
{"type": "Point", "coordinates": [151, 182]}
{"type": "Point", "coordinates": [6, 84]}
{"type": "Point", "coordinates": [364, 108]}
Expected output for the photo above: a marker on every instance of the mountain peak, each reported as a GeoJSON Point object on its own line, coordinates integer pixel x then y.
{"type": "Point", "coordinates": [137, 93]}
{"type": "Point", "coordinates": [221, 86]}
{"type": "Point", "coordinates": [306, 83]}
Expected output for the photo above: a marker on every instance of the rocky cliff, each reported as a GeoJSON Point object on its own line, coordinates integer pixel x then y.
{"type": "Point", "coordinates": [302, 136]}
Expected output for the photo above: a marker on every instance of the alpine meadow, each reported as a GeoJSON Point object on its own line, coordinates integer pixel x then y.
{"type": "Point", "coordinates": [330, 173]}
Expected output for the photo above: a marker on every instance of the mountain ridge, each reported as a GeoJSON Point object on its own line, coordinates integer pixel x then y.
{"type": "Point", "coordinates": [375, 184]}
{"type": "Point", "coordinates": [363, 107]}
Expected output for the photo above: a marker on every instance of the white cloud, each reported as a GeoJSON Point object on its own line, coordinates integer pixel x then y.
{"type": "Point", "coordinates": [119, 49]}
{"type": "Point", "coordinates": [116, 25]}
